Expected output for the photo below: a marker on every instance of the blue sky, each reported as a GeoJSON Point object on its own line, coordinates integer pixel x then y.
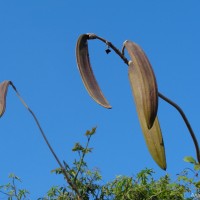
{"type": "Point", "coordinates": [37, 52]}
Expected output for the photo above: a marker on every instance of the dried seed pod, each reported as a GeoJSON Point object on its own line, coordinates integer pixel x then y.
{"type": "Point", "coordinates": [153, 136]}
{"type": "Point", "coordinates": [3, 92]}
{"type": "Point", "coordinates": [146, 87]}
{"type": "Point", "coordinates": [84, 66]}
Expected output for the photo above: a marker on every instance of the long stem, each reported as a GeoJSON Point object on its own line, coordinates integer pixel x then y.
{"type": "Point", "coordinates": [186, 122]}
{"type": "Point", "coordinates": [47, 142]}
{"type": "Point", "coordinates": [121, 55]}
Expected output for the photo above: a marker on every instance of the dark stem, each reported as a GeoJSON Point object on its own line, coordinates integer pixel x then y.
{"type": "Point", "coordinates": [117, 51]}
{"type": "Point", "coordinates": [186, 122]}
{"type": "Point", "coordinates": [48, 144]}
{"type": "Point", "coordinates": [121, 55]}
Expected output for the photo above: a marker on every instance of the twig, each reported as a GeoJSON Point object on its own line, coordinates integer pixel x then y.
{"type": "Point", "coordinates": [81, 160]}
{"type": "Point", "coordinates": [117, 51]}
{"type": "Point", "coordinates": [121, 55]}
{"type": "Point", "coordinates": [47, 142]}
{"type": "Point", "coordinates": [14, 188]}
{"type": "Point", "coordinates": [5, 193]}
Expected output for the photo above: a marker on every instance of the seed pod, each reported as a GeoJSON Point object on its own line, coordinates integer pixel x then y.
{"type": "Point", "coordinates": [89, 80]}
{"type": "Point", "coordinates": [146, 87]}
{"type": "Point", "coordinates": [3, 92]}
{"type": "Point", "coordinates": [153, 136]}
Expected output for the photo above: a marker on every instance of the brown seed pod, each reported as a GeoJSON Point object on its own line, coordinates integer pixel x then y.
{"type": "Point", "coordinates": [84, 66]}
{"type": "Point", "coordinates": [3, 92]}
{"type": "Point", "coordinates": [146, 87]}
{"type": "Point", "coordinates": [153, 136]}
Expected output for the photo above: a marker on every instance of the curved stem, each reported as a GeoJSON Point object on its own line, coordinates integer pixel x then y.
{"type": "Point", "coordinates": [186, 122]}
{"type": "Point", "coordinates": [121, 55]}
{"type": "Point", "coordinates": [47, 142]}
{"type": "Point", "coordinates": [117, 51]}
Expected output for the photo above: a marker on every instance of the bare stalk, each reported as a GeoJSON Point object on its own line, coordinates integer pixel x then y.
{"type": "Point", "coordinates": [186, 122]}
{"type": "Point", "coordinates": [121, 55]}
{"type": "Point", "coordinates": [73, 186]}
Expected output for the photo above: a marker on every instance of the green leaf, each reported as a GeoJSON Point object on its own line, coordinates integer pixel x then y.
{"type": "Point", "coordinates": [88, 150]}
{"type": "Point", "coordinates": [92, 132]}
{"type": "Point", "coordinates": [197, 167]}
{"type": "Point", "coordinates": [197, 184]}
{"type": "Point", "coordinates": [14, 177]}
{"type": "Point", "coordinates": [77, 147]}
{"type": "Point", "coordinates": [57, 171]}
{"type": "Point", "coordinates": [189, 159]}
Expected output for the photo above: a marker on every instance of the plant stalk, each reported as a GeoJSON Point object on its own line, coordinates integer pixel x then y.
{"type": "Point", "coordinates": [73, 186]}
{"type": "Point", "coordinates": [186, 122]}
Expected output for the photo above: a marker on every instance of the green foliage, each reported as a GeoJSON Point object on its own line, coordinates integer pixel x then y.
{"type": "Point", "coordinates": [142, 186]}
{"type": "Point", "coordinates": [192, 161]}
{"type": "Point", "coordinates": [11, 191]}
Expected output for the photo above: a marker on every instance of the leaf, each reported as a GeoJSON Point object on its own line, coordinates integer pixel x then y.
{"type": "Point", "coordinates": [14, 177]}
{"type": "Point", "coordinates": [88, 150]}
{"type": "Point", "coordinates": [77, 147]}
{"type": "Point", "coordinates": [87, 75]}
{"type": "Point", "coordinates": [197, 184]}
{"type": "Point", "coordinates": [57, 171]}
{"type": "Point", "coordinates": [144, 85]}
{"type": "Point", "coordinates": [92, 132]}
{"type": "Point", "coordinates": [153, 136]}
{"type": "Point", "coordinates": [197, 167]}
{"type": "Point", "coordinates": [3, 92]}
{"type": "Point", "coordinates": [189, 159]}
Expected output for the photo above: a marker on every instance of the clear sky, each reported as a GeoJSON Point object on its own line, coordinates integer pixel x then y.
{"type": "Point", "coordinates": [37, 52]}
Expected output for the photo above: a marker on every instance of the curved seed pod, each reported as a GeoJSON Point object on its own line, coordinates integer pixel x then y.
{"type": "Point", "coordinates": [146, 89]}
{"type": "Point", "coordinates": [83, 62]}
{"type": "Point", "coordinates": [153, 136]}
{"type": "Point", "coordinates": [3, 92]}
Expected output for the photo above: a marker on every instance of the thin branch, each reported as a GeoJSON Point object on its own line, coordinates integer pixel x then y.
{"type": "Point", "coordinates": [117, 51]}
{"type": "Point", "coordinates": [14, 188]}
{"type": "Point", "coordinates": [121, 55]}
{"type": "Point", "coordinates": [47, 142]}
{"type": "Point", "coordinates": [5, 193]}
{"type": "Point", "coordinates": [82, 158]}
{"type": "Point", "coordinates": [186, 122]}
